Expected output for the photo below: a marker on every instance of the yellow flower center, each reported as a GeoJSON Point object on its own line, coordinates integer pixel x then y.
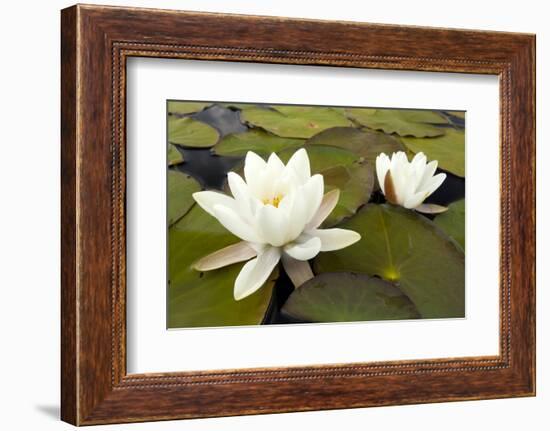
{"type": "Point", "coordinates": [273, 201]}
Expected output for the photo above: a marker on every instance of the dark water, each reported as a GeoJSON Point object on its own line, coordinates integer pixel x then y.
{"type": "Point", "coordinates": [211, 170]}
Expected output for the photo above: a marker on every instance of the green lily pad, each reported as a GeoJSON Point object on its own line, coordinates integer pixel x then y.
{"type": "Point", "coordinates": [199, 299]}
{"type": "Point", "coordinates": [174, 156]}
{"type": "Point", "coordinates": [180, 190]}
{"type": "Point", "coordinates": [257, 140]}
{"type": "Point", "coordinates": [458, 114]}
{"type": "Point", "coordinates": [183, 108]}
{"type": "Point", "coordinates": [294, 121]}
{"type": "Point", "coordinates": [348, 297]}
{"type": "Point", "coordinates": [402, 122]}
{"type": "Point", "coordinates": [323, 157]}
{"type": "Point", "coordinates": [355, 182]}
{"type": "Point", "coordinates": [452, 222]}
{"type": "Point", "coordinates": [448, 150]}
{"type": "Point", "coordinates": [365, 143]}
{"type": "Point", "coordinates": [191, 133]}
{"type": "Point", "coordinates": [407, 249]}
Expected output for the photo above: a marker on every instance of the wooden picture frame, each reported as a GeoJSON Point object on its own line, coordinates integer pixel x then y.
{"type": "Point", "coordinates": [96, 41]}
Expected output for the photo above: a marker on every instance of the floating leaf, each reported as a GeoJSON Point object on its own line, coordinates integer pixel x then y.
{"type": "Point", "coordinates": [448, 150]}
{"type": "Point", "coordinates": [191, 133]}
{"type": "Point", "coordinates": [365, 143]}
{"type": "Point", "coordinates": [174, 156]}
{"type": "Point", "coordinates": [355, 182]}
{"type": "Point", "coordinates": [348, 297]}
{"type": "Point", "coordinates": [263, 143]}
{"type": "Point", "coordinates": [294, 121]}
{"type": "Point", "coordinates": [183, 108]}
{"type": "Point", "coordinates": [180, 189]}
{"type": "Point", "coordinates": [407, 249]}
{"type": "Point", "coordinates": [458, 114]}
{"type": "Point", "coordinates": [452, 222]}
{"type": "Point", "coordinates": [198, 299]}
{"type": "Point", "coordinates": [323, 157]}
{"type": "Point", "coordinates": [403, 122]}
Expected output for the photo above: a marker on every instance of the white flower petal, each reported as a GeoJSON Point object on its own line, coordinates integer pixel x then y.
{"type": "Point", "coordinates": [235, 224]}
{"type": "Point", "coordinates": [208, 199]}
{"type": "Point", "coordinates": [306, 249]}
{"type": "Point", "coordinates": [226, 256]}
{"type": "Point", "coordinates": [275, 165]}
{"type": "Point", "coordinates": [253, 166]}
{"type": "Point", "coordinates": [255, 273]}
{"type": "Point", "coordinates": [313, 193]}
{"type": "Point", "coordinates": [273, 225]}
{"type": "Point", "coordinates": [335, 239]}
{"type": "Point", "coordinates": [382, 167]}
{"type": "Point", "coordinates": [435, 182]}
{"type": "Point", "coordinates": [416, 199]}
{"type": "Point", "coordinates": [295, 207]}
{"type": "Point", "coordinates": [242, 196]}
{"type": "Point", "coordinates": [298, 271]}
{"type": "Point", "coordinates": [429, 170]}
{"type": "Point", "coordinates": [431, 209]}
{"type": "Point", "coordinates": [330, 200]}
{"type": "Point", "coordinates": [299, 164]}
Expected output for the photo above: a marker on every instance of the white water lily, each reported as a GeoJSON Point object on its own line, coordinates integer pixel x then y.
{"type": "Point", "coordinates": [409, 183]}
{"type": "Point", "coordinates": [276, 212]}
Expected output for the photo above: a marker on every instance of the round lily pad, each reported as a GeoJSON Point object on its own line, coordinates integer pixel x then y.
{"type": "Point", "coordinates": [294, 121]}
{"type": "Point", "coordinates": [409, 250]}
{"type": "Point", "coordinates": [322, 157]}
{"type": "Point", "coordinates": [452, 222]}
{"type": "Point", "coordinates": [183, 108]}
{"type": "Point", "coordinates": [365, 143]}
{"type": "Point", "coordinates": [180, 190]}
{"type": "Point", "coordinates": [348, 297]}
{"type": "Point", "coordinates": [174, 156]}
{"type": "Point", "coordinates": [448, 150]}
{"type": "Point", "coordinates": [191, 133]}
{"type": "Point", "coordinates": [257, 140]}
{"type": "Point", "coordinates": [402, 122]}
{"type": "Point", "coordinates": [199, 299]}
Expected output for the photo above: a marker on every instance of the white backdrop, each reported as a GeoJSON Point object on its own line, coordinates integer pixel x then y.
{"type": "Point", "coordinates": [29, 216]}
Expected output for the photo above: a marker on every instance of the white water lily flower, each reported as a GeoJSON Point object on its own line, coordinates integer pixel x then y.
{"type": "Point", "coordinates": [409, 183]}
{"type": "Point", "coordinates": [276, 212]}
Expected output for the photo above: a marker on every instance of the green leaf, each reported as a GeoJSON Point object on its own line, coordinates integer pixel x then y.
{"type": "Point", "coordinates": [452, 222]}
{"type": "Point", "coordinates": [403, 122]}
{"type": "Point", "coordinates": [191, 133]}
{"type": "Point", "coordinates": [199, 299]}
{"type": "Point", "coordinates": [355, 182]}
{"type": "Point", "coordinates": [174, 156]}
{"type": "Point", "coordinates": [407, 249]}
{"type": "Point", "coordinates": [257, 140]}
{"type": "Point", "coordinates": [323, 157]}
{"type": "Point", "coordinates": [365, 143]}
{"type": "Point", "coordinates": [448, 150]}
{"type": "Point", "coordinates": [348, 297]}
{"type": "Point", "coordinates": [294, 121]}
{"type": "Point", "coordinates": [180, 190]}
{"type": "Point", "coordinates": [183, 108]}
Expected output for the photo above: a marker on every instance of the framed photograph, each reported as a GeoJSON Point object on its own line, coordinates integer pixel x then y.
{"type": "Point", "coordinates": [283, 215]}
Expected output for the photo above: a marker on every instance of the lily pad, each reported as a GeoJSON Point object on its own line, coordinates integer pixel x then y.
{"type": "Point", "coordinates": [408, 250]}
{"type": "Point", "coordinates": [452, 222]}
{"type": "Point", "coordinates": [365, 143]}
{"type": "Point", "coordinates": [294, 121]}
{"type": "Point", "coordinates": [191, 133]}
{"type": "Point", "coordinates": [355, 182]}
{"type": "Point", "coordinates": [180, 189]}
{"type": "Point", "coordinates": [257, 140]}
{"type": "Point", "coordinates": [323, 157]}
{"type": "Point", "coordinates": [402, 122]}
{"type": "Point", "coordinates": [198, 299]}
{"type": "Point", "coordinates": [174, 156]}
{"type": "Point", "coordinates": [348, 297]}
{"type": "Point", "coordinates": [448, 150]}
{"type": "Point", "coordinates": [183, 108]}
